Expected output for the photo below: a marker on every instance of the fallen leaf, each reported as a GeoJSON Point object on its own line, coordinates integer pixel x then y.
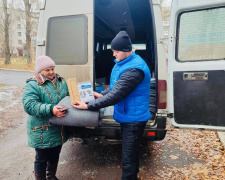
{"type": "Point", "coordinates": [215, 167]}
{"type": "Point", "coordinates": [173, 157]}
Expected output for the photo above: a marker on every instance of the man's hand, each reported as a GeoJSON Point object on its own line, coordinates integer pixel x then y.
{"type": "Point", "coordinates": [57, 112]}
{"type": "Point", "coordinates": [79, 105]}
{"type": "Point", "coordinates": [97, 95]}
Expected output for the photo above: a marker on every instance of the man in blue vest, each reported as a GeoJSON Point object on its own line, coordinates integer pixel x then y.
{"type": "Point", "coordinates": [129, 92]}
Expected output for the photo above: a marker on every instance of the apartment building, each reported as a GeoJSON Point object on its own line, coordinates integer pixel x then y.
{"type": "Point", "coordinates": [17, 32]}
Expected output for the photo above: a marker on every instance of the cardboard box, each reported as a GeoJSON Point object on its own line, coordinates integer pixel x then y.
{"type": "Point", "coordinates": [81, 91]}
{"type": "Point", "coordinates": [73, 90]}
{"type": "Point", "coordinates": [106, 86]}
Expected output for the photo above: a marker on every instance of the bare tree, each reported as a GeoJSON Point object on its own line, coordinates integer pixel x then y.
{"type": "Point", "coordinates": [7, 53]}
{"type": "Point", "coordinates": [28, 30]}
{"type": "Point", "coordinates": [9, 18]}
{"type": "Point", "coordinates": [1, 24]}
{"type": "Point", "coordinates": [1, 31]}
{"type": "Point", "coordinates": [31, 6]}
{"type": "Point", "coordinates": [18, 27]}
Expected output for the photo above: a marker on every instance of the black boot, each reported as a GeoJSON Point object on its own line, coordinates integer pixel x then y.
{"type": "Point", "coordinates": [40, 175]}
{"type": "Point", "coordinates": [51, 171]}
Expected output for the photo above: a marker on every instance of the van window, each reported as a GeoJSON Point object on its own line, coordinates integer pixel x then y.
{"type": "Point", "coordinates": [138, 46]}
{"type": "Point", "coordinates": [67, 40]}
{"type": "Point", "coordinates": [201, 35]}
{"type": "Point", "coordinates": [134, 46]}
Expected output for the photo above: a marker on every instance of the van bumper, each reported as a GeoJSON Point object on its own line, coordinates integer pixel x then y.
{"type": "Point", "coordinates": [112, 134]}
{"type": "Point", "coordinates": [159, 134]}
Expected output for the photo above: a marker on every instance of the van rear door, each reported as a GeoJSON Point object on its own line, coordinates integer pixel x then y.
{"type": "Point", "coordinates": [66, 35]}
{"type": "Point", "coordinates": [196, 64]}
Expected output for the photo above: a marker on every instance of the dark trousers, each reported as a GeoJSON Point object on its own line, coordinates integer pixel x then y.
{"type": "Point", "coordinates": [131, 139]}
{"type": "Point", "coordinates": [50, 155]}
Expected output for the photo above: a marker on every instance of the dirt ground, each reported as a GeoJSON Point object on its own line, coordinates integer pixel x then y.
{"type": "Point", "coordinates": [10, 108]}
{"type": "Point", "coordinates": [182, 155]}
{"type": "Point", "coordinates": [14, 158]}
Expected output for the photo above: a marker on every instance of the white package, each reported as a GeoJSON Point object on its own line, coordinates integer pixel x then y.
{"type": "Point", "coordinates": [86, 91]}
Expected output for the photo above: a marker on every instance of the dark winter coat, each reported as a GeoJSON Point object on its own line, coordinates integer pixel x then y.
{"type": "Point", "coordinates": [38, 98]}
{"type": "Point", "coordinates": [125, 85]}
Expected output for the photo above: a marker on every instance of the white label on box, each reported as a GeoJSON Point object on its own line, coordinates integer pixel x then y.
{"type": "Point", "coordinates": [86, 91]}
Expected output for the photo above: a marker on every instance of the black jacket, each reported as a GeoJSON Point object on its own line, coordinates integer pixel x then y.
{"type": "Point", "coordinates": [127, 82]}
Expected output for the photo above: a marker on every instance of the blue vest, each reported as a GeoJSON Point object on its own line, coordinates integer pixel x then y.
{"type": "Point", "coordinates": [135, 107]}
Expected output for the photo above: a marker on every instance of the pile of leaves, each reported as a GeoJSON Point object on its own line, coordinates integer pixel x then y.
{"type": "Point", "coordinates": [204, 147]}
{"type": "Point", "coordinates": [17, 63]}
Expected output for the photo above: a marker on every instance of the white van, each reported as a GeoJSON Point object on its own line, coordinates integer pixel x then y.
{"type": "Point", "coordinates": [77, 35]}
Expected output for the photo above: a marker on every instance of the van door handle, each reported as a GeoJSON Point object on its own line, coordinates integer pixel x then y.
{"type": "Point", "coordinates": [195, 76]}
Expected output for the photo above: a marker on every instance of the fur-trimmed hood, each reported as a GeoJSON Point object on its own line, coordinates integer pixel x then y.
{"type": "Point", "coordinates": [42, 79]}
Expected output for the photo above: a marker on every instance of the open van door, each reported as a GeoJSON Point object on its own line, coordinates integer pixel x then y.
{"type": "Point", "coordinates": [65, 34]}
{"type": "Point", "coordinates": [196, 64]}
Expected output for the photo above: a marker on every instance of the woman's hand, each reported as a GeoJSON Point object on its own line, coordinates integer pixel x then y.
{"type": "Point", "coordinates": [56, 111]}
{"type": "Point", "coordinates": [97, 95]}
{"type": "Point", "coordinates": [79, 105]}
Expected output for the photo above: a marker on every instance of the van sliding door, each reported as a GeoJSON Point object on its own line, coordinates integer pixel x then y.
{"type": "Point", "coordinates": [197, 65]}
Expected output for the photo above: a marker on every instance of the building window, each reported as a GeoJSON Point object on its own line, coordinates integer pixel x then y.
{"type": "Point", "coordinates": [19, 41]}
{"type": "Point", "coordinates": [19, 33]}
{"type": "Point", "coordinates": [18, 26]}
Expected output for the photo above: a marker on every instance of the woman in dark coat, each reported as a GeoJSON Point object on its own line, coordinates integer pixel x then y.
{"type": "Point", "coordinates": [40, 97]}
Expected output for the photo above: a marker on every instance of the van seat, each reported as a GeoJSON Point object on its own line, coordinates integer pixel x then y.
{"type": "Point", "coordinates": [146, 55]}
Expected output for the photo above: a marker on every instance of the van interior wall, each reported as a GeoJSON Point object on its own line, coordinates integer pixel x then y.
{"type": "Point", "coordinates": [112, 16]}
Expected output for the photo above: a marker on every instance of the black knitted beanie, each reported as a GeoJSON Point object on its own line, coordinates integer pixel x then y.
{"type": "Point", "coordinates": [121, 42]}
